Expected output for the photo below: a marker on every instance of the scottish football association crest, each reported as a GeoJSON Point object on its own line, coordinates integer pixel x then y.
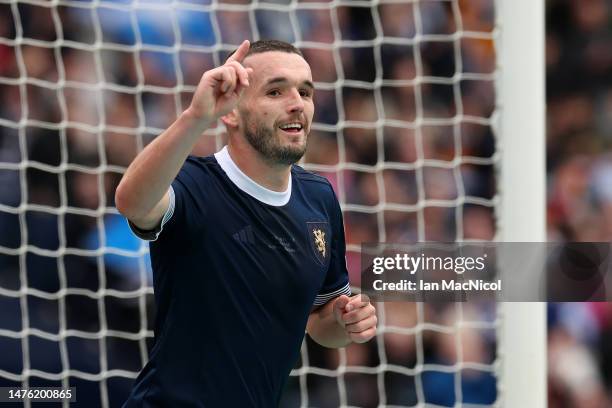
{"type": "Point", "coordinates": [318, 235]}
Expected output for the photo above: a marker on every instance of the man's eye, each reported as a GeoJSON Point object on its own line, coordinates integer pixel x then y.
{"type": "Point", "coordinates": [274, 92]}
{"type": "Point", "coordinates": [305, 92]}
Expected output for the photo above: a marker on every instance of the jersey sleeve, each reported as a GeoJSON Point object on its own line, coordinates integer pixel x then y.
{"type": "Point", "coordinates": [175, 217]}
{"type": "Point", "coordinates": [153, 234]}
{"type": "Point", "coordinates": [336, 280]}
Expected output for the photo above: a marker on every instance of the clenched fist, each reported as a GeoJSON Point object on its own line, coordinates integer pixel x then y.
{"type": "Point", "coordinates": [358, 317]}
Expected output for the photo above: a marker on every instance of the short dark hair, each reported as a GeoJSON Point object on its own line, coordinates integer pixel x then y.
{"type": "Point", "coordinates": [257, 47]}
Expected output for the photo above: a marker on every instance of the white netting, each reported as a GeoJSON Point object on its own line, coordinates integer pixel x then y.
{"type": "Point", "coordinates": [404, 129]}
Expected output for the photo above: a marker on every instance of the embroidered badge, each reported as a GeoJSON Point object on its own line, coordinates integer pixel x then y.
{"type": "Point", "coordinates": [319, 237]}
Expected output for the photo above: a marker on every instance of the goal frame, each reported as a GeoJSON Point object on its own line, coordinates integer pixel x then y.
{"type": "Point", "coordinates": [521, 98]}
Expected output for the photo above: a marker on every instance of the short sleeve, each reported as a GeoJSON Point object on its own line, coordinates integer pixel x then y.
{"type": "Point", "coordinates": [182, 215]}
{"type": "Point", "coordinates": [336, 280]}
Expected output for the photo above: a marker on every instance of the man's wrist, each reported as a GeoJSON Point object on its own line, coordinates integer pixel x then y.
{"type": "Point", "coordinates": [196, 119]}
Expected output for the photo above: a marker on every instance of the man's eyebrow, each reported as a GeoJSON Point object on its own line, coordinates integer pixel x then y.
{"type": "Point", "coordinates": [309, 84]}
{"type": "Point", "coordinates": [278, 80]}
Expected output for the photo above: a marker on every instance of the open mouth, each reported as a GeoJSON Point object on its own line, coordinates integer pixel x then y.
{"type": "Point", "coordinates": [294, 127]}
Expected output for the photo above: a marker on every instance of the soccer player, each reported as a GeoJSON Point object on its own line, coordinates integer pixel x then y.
{"type": "Point", "coordinates": [247, 248]}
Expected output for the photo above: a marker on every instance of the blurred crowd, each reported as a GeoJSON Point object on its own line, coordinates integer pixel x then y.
{"type": "Point", "coordinates": [579, 179]}
{"type": "Point", "coordinates": [101, 84]}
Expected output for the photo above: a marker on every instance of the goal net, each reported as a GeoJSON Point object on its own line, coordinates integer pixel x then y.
{"type": "Point", "coordinates": [409, 128]}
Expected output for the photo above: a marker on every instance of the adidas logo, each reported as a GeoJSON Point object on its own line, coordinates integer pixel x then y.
{"type": "Point", "coordinates": [245, 235]}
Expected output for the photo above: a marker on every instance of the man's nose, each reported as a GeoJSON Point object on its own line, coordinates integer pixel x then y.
{"type": "Point", "coordinates": [296, 103]}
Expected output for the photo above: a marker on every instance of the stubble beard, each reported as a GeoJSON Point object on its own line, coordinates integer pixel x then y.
{"type": "Point", "coordinates": [267, 143]}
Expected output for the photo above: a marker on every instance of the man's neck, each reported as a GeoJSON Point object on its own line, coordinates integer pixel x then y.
{"type": "Point", "coordinates": [250, 162]}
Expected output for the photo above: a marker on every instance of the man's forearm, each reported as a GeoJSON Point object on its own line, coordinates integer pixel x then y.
{"type": "Point", "coordinates": [325, 329]}
{"type": "Point", "coordinates": [148, 177]}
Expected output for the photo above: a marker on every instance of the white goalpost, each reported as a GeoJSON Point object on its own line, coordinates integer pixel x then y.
{"type": "Point", "coordinates": [522, 214]}
{"type": "Point", "coordinates": [420, 105]}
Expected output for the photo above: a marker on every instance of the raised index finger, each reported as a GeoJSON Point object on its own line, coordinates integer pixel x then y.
{"type": "Point", "coordinates": [241, 52]}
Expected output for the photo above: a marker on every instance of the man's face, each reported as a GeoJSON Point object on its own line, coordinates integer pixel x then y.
{"type": "Point", "coordinates": [275, 112]}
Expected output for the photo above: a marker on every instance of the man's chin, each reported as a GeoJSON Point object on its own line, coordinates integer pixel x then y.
{"type": "Point", "coordinates": [281, 149]}
{"type": "Point", "coordinates": [288, 155]}
{"type": "Point", "coordinates": [296, 145]}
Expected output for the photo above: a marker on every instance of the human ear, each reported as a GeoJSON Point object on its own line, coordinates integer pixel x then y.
{"type": "Point", "coordinates": [230, 120]}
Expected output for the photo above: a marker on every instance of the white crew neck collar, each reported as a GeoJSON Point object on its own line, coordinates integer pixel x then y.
{"type": "Point", "coordinates": [248, 185]}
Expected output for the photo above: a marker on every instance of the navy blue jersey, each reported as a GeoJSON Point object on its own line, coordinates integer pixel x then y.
{"type": "Point", "coordinates": [237, 269]}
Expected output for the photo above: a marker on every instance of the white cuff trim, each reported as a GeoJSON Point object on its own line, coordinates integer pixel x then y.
{"type": "Point", "coordinates": [321, 299]}
{"type": "Point", "coordinates": [152, 235]}
{"type": "Point", "coordinates": [170, 211]}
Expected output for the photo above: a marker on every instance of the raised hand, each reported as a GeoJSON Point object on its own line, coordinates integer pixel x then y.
{"type": "Point", "coordinates": [220, 88]}
{"type": "Point", "coordinates": [358, 317]}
